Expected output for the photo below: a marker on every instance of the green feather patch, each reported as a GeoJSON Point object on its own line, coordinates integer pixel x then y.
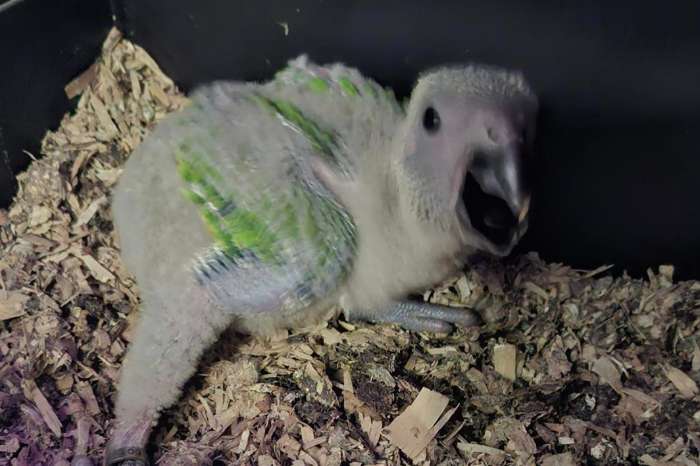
{"type": "Point", "coordinates": [348, 87]}
{"type": "Point", "coordinates": [233, 228]}
{"type": "Point", "coordinates": [289, 221]}
{"type": "Point", "coordinates": [333, 81]}
{"type": "Point", "coordinates": [318, 85]}
{"type": "Point", "coordinates": [321, 139]}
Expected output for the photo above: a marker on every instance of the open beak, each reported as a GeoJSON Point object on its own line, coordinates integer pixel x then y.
{"type": "Point", "coordinates": [496, 195]}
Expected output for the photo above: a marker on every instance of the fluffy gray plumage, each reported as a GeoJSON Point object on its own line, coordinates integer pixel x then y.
{"type": "Point", "coordinates": [397, 174]}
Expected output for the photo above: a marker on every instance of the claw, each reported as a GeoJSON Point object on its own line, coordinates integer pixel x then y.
{"type": "Point", "coordinates": [129, 456]}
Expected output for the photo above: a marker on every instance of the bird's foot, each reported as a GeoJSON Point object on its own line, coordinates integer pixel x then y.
{"type": "Point", "coordinates": [419, 317]}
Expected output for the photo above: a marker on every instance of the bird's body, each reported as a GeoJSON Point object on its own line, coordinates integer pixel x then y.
{"type": "Point", "coordinates": [263, 205]}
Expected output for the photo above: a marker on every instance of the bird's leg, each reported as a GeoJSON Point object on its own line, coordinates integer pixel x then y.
{"type": "Point", "coordinates": [174, 332]}
{"type": "Point", "coordinates": [168, 343]}
{"type": "Point", "coordinates": [417, 316]}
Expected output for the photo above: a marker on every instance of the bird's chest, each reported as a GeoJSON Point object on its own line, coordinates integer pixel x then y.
{"type": "Point", "coordinates": [389, 270]}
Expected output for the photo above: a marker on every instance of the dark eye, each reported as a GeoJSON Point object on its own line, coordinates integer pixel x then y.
{"type": "Point", "coordinates": [431, 120]}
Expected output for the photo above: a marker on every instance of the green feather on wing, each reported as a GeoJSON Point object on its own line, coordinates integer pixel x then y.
{"type": "Point", "coordinates": [298, 222]}
{"type": "Point", "coordinates": [336, 78]}
{"type": "Point", "coordinates": [233, 228]}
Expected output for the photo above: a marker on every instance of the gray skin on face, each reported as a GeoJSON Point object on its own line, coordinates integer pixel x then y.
{"type": "Point", "coordinates": [427, 190]}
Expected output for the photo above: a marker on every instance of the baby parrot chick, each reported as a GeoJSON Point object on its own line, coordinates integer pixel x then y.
{"type": "Point", "coordinates": [264, 205]}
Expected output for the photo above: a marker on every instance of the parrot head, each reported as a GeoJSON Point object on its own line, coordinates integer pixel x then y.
{"type": "Point", "coordinates": [469, 135]}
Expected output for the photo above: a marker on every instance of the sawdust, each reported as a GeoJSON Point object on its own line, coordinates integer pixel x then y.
{"type": "Point", "coordinates": [571, 367]}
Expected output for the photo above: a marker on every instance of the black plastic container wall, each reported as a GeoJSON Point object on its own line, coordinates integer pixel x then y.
{"type": "Point", "coordinates": [617, 166]}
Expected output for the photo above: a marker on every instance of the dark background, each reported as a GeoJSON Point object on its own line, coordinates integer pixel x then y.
{"type": "Point", "coordinates": [43, 45]}
{"type": "Point", "coordinates": [619, 84]}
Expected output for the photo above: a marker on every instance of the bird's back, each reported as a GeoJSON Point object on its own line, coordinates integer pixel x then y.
{"type": "Point", "coordinates": [230, 176]}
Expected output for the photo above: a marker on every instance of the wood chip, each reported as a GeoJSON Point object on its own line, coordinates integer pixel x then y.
{"type": "Point", "coordinates": [267, 460]}
{"type": "Point", "coordinates": [331, 336]}
{"type": "Point", "coordinates": [12, 304]}
{"type": "Point", "coordinates": [598, 271]}
{"type": "Point", "coordinates": [106, 121]}
{"type": "Point", "coordinates": [650, 461]}
{"type": "Point", "coordinates": [563, 459]}
{"type": "Point", "coordinates": [307, 459]}
{"type": "Point", "coordinates": [469, 449]}
{"type": "Point", "coordinates": [685, 385]}
{"type": "Point", "coordinates": [78, 163]}
{"type": "Point", "coordinates": [90, 211]}
{"type": "Point", "coordinates": [289, 446]}
{"type": "Point", "coordinates": [96, 269]}
{"type": "Point", "coordinates": [608, 372]}
{"type": "Point", "coordinates": [413, 429]}
{"type": "Point", "coordinates": [695, 365]}
{"type": "Point", "coordinates": [372, 428]}
{"type": "Point", "coordinates": [39, 215]}
{"type": "Point", "coordinates": [442, 350]}
{"type": "Point", "coordinates": [10, 446]}
{"type": "Point", "coordinates": [537, 290]}
{"type": "Point", "coordinates": [505, 360]}
{"type": "Point", "coordinates": [80, 83]}
{"type": "Point", "coordinates": [88, 397]}
{"type": "Point", "coordinates": [47, 412]}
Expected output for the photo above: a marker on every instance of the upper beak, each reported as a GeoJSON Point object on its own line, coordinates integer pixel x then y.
{"type": "Point", "coordinates": [503, 175]}
{"type": "Point", "coordinates": [510, 175]}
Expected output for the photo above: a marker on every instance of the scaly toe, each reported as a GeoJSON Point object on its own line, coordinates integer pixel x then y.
{"type": "Point", "coordinates": [423, 324]}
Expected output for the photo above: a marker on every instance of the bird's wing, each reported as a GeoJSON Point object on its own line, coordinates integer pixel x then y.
{"type": "Point", "coordinates": [245, 158]}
